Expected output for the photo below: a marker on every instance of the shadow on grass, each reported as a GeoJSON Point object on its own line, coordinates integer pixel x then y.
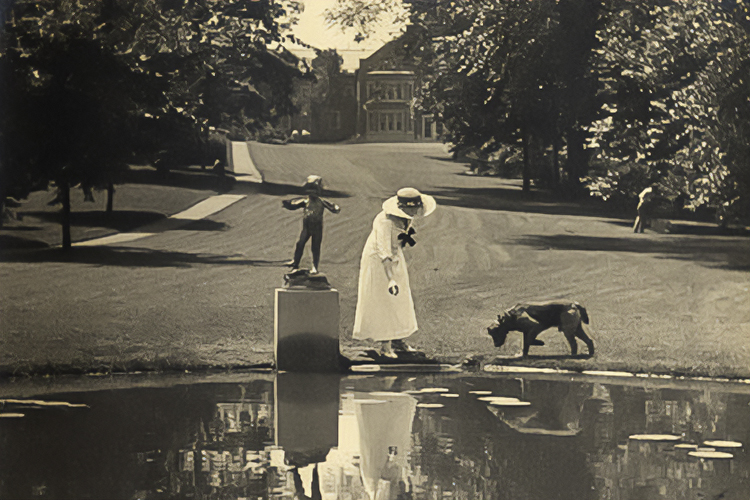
{"type": "Point", "coordinates": [119, 220]}
{"type": "Point", "coordinates": [728, 253]}
{"type": "Point", "coordinates": [448, 159]}
{"type": "Point", "coordinates": [512, 199]}
{"type": "Point", "coordinates": [537, 357]}
{"type": "Point", "coordinates": [189, 178]}
{"type": "Point", "coordinates": [8, 242]}
{"type": "Point", "coordinates": [132, 257]}
{"type": "Point", "coordinates": [22, 228]}
{"type": "Point", "coordinates": [276, 189]}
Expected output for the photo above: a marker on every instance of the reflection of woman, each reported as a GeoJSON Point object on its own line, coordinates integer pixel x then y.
{"type": "Point", "coordinates": [385, 309]}
{"type": "Point", "coordinates": [385, 422]}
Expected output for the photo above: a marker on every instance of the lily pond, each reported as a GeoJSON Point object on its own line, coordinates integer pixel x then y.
{"type": "Point", "coordinates": [375, 436]}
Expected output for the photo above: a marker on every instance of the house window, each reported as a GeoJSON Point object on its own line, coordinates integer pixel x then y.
{"type": "Point", "coordinates": [390, 92]}
{"type": "Point", "coordinates": [390, 121]}
{"type": "Point", "coordinates": [382, 122]}
{"type": "Point", "coordinates": [399, 119]}
{"type": "Point", "coordinates": [373, 121]}
{"type": "Point", "coordinates": [399, 95]}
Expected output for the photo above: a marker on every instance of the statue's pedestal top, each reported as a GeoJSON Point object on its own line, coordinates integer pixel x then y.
{"type": "Point", "coordinates": [303, 279]}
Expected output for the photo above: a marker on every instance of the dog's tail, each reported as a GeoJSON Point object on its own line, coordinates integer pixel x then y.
{"type": "Point", "coordinates": [584, 314]}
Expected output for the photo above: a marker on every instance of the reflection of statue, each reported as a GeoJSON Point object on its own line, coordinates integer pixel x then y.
{"type": "Point", "coordinates": [385, 424]}
{"type": "Point", "coordinates": [312, 220]}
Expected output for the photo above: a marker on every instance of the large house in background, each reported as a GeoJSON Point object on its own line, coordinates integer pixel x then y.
{"type": "Point", "coordinates": [335, 118]}
{"type": "Point", "coordinates": [373, 104]}
{"type": "Point", "coordinates": [386, 83]}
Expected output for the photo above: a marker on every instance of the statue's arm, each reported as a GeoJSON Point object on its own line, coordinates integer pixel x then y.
{"type": "Point", "coordinates": [294, 203]}
{"type": "Point", "coordinates": [331, 206]}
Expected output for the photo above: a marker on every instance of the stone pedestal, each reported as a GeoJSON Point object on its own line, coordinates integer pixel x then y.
{"type": "Point", "coordinates": [306, 330]}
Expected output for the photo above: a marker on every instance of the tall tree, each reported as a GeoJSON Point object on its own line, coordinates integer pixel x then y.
{"type": "Point", "coordinates": [87, 79]}
{"type": "Point", "coordinates": [673, 77]}
{"type": "Point", "coordinates": [509, 73]}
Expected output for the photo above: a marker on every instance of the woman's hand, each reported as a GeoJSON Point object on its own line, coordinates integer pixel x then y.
{"type": "Point", "coordinates": [392, 287]}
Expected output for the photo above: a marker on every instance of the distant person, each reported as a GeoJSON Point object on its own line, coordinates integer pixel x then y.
{"type": "Point", "coordinates": [385, 309]}
{"type": "Point", "coordinates": [645, 208]}
{"type": "Point", "coordinates": [312, 220]}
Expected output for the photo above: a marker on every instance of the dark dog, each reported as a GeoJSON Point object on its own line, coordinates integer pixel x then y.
{"type": "Point", "coordinates": [533, 319]}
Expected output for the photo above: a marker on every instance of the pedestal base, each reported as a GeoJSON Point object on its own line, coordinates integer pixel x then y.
{"type": "Point", "coordinates": [306, 330]}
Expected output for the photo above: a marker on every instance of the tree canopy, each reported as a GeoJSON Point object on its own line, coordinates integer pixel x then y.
{"type": "Point", "coordinates": [88, 84]}
{"type": "Point", "coordinates": [621, 95]}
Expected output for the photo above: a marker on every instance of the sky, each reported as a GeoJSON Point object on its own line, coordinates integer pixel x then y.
{"type": "Point", "coordinates": [312, 30]}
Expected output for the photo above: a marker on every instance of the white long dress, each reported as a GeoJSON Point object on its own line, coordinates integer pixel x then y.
{"type": "Point", "coordinates": [385, 421]}
{"type": "Point", "coordinates": [380, 315]}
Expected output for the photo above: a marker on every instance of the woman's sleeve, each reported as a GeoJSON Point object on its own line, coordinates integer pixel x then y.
{"type": "Point", "coordinates": [383, 240]}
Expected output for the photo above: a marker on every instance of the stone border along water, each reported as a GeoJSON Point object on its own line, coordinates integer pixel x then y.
{"type": "Point", "coordinates": [621, 376]}
{"type": "Point", "coordinates": [608, 374]}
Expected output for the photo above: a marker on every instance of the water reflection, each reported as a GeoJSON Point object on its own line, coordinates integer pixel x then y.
{"type": "Point", "coordinates": [431, 437]}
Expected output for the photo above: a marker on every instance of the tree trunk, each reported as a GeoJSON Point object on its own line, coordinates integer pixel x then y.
{"type": "Point", "coordinates": [110, 197]}
{"type": "Point", "coordinates": [556, 161]}
{"type": "Point", "coordinates": [577, 165]}
{"type": "Point", "coordinates": [526, 165]}
{"type": "Point", "coordinates": [65, 198]}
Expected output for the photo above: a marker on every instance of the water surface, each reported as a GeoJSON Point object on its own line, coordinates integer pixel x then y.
{"type": "Point", "coordinates": [377, 437]}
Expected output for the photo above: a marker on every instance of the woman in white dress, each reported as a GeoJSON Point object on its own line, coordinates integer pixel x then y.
{"type": "Point", "coordinates": [385, 309]}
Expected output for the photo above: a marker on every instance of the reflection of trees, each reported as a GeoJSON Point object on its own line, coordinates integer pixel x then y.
{"type": "Point", "coordinates": [228, 456]}
{"type": "Point", "coordinates": [465, 451]}
{"type": "Point", "coordinates": [657, 469]}
{"type": "Point", "coordinates": [217, 441]}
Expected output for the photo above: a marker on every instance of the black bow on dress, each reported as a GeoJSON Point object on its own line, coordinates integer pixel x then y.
{"type": "Point", "coordinates": [405, 237]}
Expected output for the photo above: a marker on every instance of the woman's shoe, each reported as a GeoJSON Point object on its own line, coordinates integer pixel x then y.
{"type": "Point", "coordinates": [386, 350]}
{"type": "Point", "coordinates": [401, 346]}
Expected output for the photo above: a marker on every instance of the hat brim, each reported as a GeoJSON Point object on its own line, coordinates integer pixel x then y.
{"type": "Point", "coordinates": [390, 207]}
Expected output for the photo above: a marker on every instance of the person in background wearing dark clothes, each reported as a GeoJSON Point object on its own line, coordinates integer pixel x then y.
{"type": "Point", "coordinates": [312, 220]}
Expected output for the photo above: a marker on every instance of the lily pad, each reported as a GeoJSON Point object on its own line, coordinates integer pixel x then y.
{"type": "Point", "coordinates": [723, 444]}
{"type": "Point", "coordinates": [654, 437]}
{"type": "Point", "coordinates": [710, 454]}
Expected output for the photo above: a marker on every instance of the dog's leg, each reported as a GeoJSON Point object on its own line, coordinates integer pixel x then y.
{"type": "Point", "coordinates": [570, 322]}
{"type": "Point", "coordinates": [581, 334]}
{"type": "Point", "coordinates": [571, 338]}
{"type": "Point", "coordinates": [529, 339]}
{"type": "Point", "coordinates": [530, 328]}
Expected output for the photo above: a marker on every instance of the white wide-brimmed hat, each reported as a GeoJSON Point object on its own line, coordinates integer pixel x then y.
{"type": "Point", "coordinates": [409, 197]}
